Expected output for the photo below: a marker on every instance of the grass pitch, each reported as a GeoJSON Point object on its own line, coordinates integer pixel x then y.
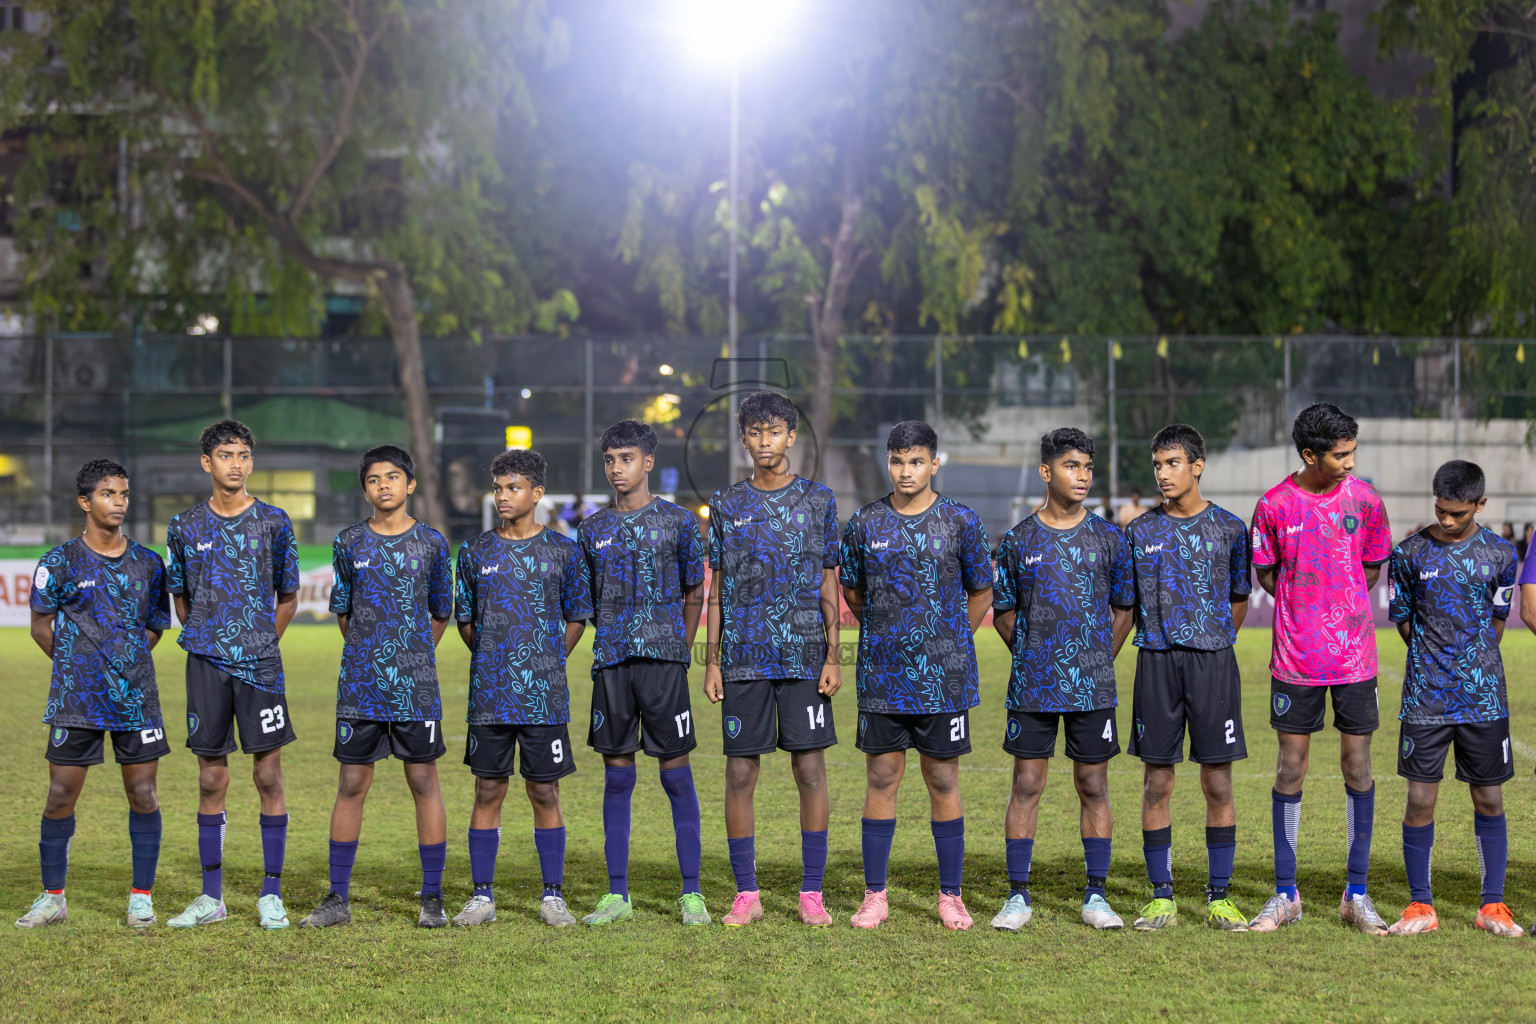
{"type": "Point", "coordinates": [383, 968]}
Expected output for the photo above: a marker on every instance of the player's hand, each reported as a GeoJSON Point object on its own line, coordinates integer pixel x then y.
{"type": "Point", "coordinates": [831, 679]}
{"type": "Point", "coordinates": [714, 684]}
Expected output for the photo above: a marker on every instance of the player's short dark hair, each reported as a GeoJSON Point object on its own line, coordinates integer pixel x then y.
{"type": "Point", "coordinates": [94, 472]}
{"type": "Point", "coordinates": [909, 434]}
{"type": "Point", "coordinates": [629, 434]}
{"type": "Point", "coordinates": [1459, 480]}
{"type": "Point", "coordinates": [1321, 426]}
{"type": "Point", "coordinates": [390, 453]}
{"type": "Point", "coordinates": [523, 462]}
{"type": "Point", "coordinates": [223, 432]}
{"type": "Point", "coordinates": [1062, 440]}
{"type": "Point", "coordinates": [1180, 435]}
{"type": "Point", "coordinates": [765, 407]}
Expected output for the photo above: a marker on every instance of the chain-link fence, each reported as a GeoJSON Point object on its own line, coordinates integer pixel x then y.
{"type": "Point", "coordinates": [315, 404]}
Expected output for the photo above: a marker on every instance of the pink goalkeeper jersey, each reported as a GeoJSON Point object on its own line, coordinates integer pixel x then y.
{"type": "Point", "coordinates": [1324, 631]}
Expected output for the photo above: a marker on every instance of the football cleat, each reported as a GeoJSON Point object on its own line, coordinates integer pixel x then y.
{"type": "Point", "coordinates": [1097, 913]}
{"type": "Point", "coordinates": [1224, 916]}
{"type": "Point", "coordinates": [748, 907]}
{"type": "Point", "coordinates": [1157, 915]}
{"type": "Point", "coordinates": [554, 912]}
{"type": "Point", "coordinates": [141, 910]}
{"type": "Point", "coordinates": [952, 913]}
{"type": "Point", "coordinates": [270, 909]}
{"type": "Point", "coordinates": [610, 908]}
{"type": "Point", "coordinates": [1417, 917]}
{"type": "Point", "coordinates": [203, 910]}
{"type": "Point", "coordinates": [1360, 912]}
{"type": "Point", "coordinates": [1016, 913]}
{"type": "Point", "coordinates": [1496, 919]}
{"type": "Point", "coordinates": [812, 913]}
{"type": "Point", "coordinates": [49, 908]}
{"type": "Point", "coordinates": [479, 910]}
{"type": "Point", "coordinates": [432, 914]}
{"type": "Point", "coordinates": [1278, 912]}
{"type": "Point", "coordinates": [872, 911]}
{"type": "Point", "coordinates": [333, 910]}
{"type": "Point", "coordinates": [694, 911]}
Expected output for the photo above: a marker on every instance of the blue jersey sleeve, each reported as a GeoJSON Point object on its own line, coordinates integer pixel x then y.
{"type": "Point", "coordinates": [47, 586]}
{"type": "Point", "coordinates": [1400, 580]}
{"type": "Point", "coordinates": [176, 560]}
{"type": "Point", "coordinates": [158, 601]}
{"type": "Point", "coordinates": [341, 578]}
{"type": "Point", "coordinates": [440, 582]}
{"type": "Point", "coordinates": [1240, 564]}
{"type": "Point", "coordinates": [464, 594]}
{"type": "Point", "coordinates": [1122, 573]}
{"type": "Point", "coordinates": [851, 557]}
{"type": "Point", "coordinates": [716, 534]}
{"type": "Point", "coordinates": [1504, 588]}
{"type": "Point", "coordinates": [690, 553]}
{"type": "Point", "coordinates": [285, 559]}
{"type": "Point", "coordinates": [830, 555]}
{"type": "Point", "coordinates": [576, 589]}
{"type": "Point", "coordinates": [975, 555]}
{"type": "Point", "coordinates": [1005, 592]}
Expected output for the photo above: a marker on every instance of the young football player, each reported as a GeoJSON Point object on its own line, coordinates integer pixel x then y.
{"type": "Point", "coordinates": [392, 596]}
{"type": "Point", "coordinates": [771, 654]}
{"type": "Point", "coordinates": [1451, 587]}
{"type": "Point", "coordinates": [234, 575]}
{"type": "Point", "coordinates": [99, 606]}
{"type": "Point", "coordinates": [1320, 538]}
{"type": "Point", "coordinates": [645, 560]}
{"type": "Point", "coordinates": [917, 572]}
{"type": "Point", "coordinates": [1063, 606]}
{"type": "Point", "coordinates": [522, 601]}
{"type": "Point", "coordinates": [1191, 561]}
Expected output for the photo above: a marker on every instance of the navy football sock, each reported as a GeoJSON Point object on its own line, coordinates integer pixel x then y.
{"type": "Point", "coordinates": [550, 844]}
{"type": "Point", "coordinates": [210, 851]}
{"type": "Point", "coordinates": [53, 851]}
{"type": "Point", "coordinates": [743, 862]}
{"type": "Point", "coordinates": [433, 857]}
{"type": "Point", "coordinates": [144, 837]}
{"type": "Point", "coordinates": [1492, 836]}
{"type": "Point", "coordinates": [686, 824]}
{"type": "Point", "coordinates": [1418, 848]}
{"type": "Point", "coordinates": [878, 834]}
{"type": "Point", "coordinates": [483, 844]}
{"type": "Point", "coordinates": [274, 841]}
{"type": "Point", "coordinates": [1220, 852]}
{"type": "Point", "coordinates": [618, 784]}
{"type": "Point", "coordinates": [1361, 813]}
{"type": "Point", "coordinates": [1285, 820]}
{"type": "Point", "coordinates": [1096, 864]}
{"type": "Point", "coordinates": [1157, 850]}
{"type": "Point", "coordinates": [1019, 854]}
{"type": "Point", "coordinates": [813, 860]}
{"type": "Point", "coordinates": [342, 856]}
{"type": "Point", "coordinates": [949, 844]}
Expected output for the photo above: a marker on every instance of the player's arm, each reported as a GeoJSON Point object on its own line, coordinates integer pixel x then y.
{"type": "Point", "coordinates": [287, 604]}
{"type": "Point", "coordinates": [1405, 630]}
{"type": "Point", "coordinates": [1401, 572]}
{"type": "Point", "coordinates": [693, 610]}
{"type": "Point", "coordinates": [573, 631]}
{"type": "Point", "coordinates": [42, 631]}
{"type": "Point", "coordinates": [1372, 575]}
{"type": "Point", "coordinates": [1003, 623]}
{"type": "Point", "coordinates": [343, 619]}
{"type": "Point", "coordinates": [183, 608]}
{"type": "Point", "coordinates": [1122, 621]}
{"type": "Point", "coordinates": [1528, 605]}
{"type": "Point", "coordinates": [151, 637]}
{"type": "Point", "coordinates": [1239, 613]}
{"type": "Point", "coordinates": [832, 623]}
{"type": "Point", "coordinates": [714, 682]}
{"type": "Point", "coordinates": [467, 634]}
{"type": "Point", "coordinates": [977, 602]}
{"type": "Point", "coordinates": [1267, 574]}
{"type": "Point", "coordinates": [439, 627]}
{"type": "Point", "coordinates": [854, 596]}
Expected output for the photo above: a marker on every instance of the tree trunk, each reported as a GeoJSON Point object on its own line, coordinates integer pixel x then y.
{"type": "Point", "coordinates": [827, 316]}
{"type": "Point", "coordinates": [398, 299]}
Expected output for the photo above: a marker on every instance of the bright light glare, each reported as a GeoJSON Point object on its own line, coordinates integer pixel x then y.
{"type": "Point", "coordinates": [527, 393]}
{"type": "Point", "coordinates": [731, 31]}
{"type": "Point", "coordinates": [665, 369]}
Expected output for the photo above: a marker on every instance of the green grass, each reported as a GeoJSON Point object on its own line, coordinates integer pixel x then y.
{"type": "Point", "coordinates": [384, 968]}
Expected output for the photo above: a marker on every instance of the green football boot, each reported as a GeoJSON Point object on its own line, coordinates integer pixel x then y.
{"type": "Point", "coordinates": [1157, 915]}
{"type": "Point", "coordinates": [610, 908]}
{"type": "Point", "coordinates": [1223, 915]}
{"type": "Point", "coordinates": [693, 908]}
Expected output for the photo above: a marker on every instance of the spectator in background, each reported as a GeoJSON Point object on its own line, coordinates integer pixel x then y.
{"type": "Point", "coordinates": [575, 510]}
{"type": "Point", "coordinates": [1524, 543]}
{"type": "Point", "coordinates": [1507, 531]}
{"type": "Point", "coordinates": [1131, 509]}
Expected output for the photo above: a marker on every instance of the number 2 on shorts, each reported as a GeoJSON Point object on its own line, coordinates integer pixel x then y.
{"type": "Point", "coordinates": [272, 719]}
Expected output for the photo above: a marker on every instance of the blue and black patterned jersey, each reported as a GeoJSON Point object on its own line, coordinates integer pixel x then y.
{"type": "Point", "coordinates": [1188, 573]}
{"type": "Point", "coordinates": [917, 654]}
{"type": "Point", "coordinates": [520, 594]}
{"type": "Point", "coordinates": [1451, 593]}
{"type": "Point", "coordinates": [391, 588]}
{"type": "Point", "coordinates": [103, 673]}
{"type": "Point", "coordinates": [771, 549]}
{"type": "Point", "coordinates": [639, 563]}
{"type": "Point", "coordinates": [1062, 585]}
{"type": "Point", "coordinates": [231, 570]}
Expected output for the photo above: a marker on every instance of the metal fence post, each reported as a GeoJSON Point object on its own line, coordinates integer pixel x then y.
{"type": "Point", "coordinates": [1114, 426]}
{"type": "Point", "coordinates": [1456, 401]}
{"type": "Point", "coordinates": [48, 437]}
{"type": "Point", "coordinates": [586, 448]}
{"type": "Point", "coordinates": [1285, 402]}
{"type": "Point", "coordinates": [938, 379]}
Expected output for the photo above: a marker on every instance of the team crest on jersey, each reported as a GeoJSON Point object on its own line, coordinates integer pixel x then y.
{"type": "Point", "coordinates": [653, 535]}
{"type": "Point", "coordinates": [936, 543]}
{"type": "Point", "coordinates": [344, 732]}
{"type": "Point", "coordinates": [544, 567]}
{"type": "Point", "coordinates": [59, 736]}
{"type": "Point", "coordinates": [1407, 745]}
{"type": "Point", "coordinates": [597, 719]}
{"type": "Point", "coordinates": [732, 726]}
{"type": "Point", "coordinates": [191, 723]}
{"type": "Point", "coordinates": [413, 565]}
{"type": "Point", "coordinates": [1282, 703]}
{"type": "Point", "coordinates": [255, 543]}
{"type": "Point", "coordinates": [1013, 728]}
{"type": "Point", "coordinates": [1351, 524]}
{"type": "Point", "coordinates": [1093, 556]}
{"type": "Point", "coordinates": [801, 518]}
{"type": "Point", "coordinates": [1484, 569]}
